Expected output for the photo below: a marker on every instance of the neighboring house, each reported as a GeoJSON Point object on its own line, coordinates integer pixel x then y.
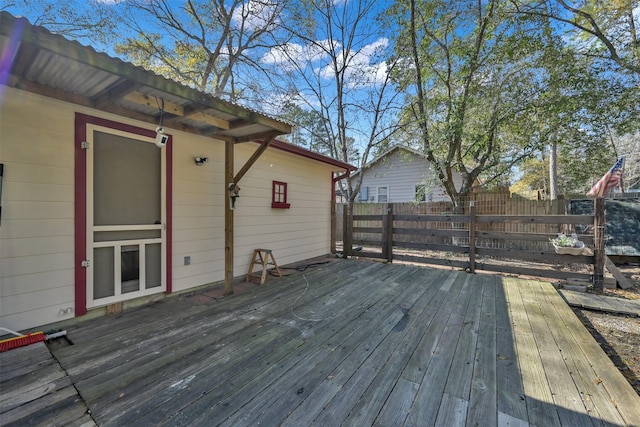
{"type": "Point", "coordinates": [400, 175]}
{"type": "Point", "coordinates": [100, 211]}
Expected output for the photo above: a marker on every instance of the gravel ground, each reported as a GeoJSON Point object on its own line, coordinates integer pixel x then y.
{"type": "Point", "coordinates": [619, 336]}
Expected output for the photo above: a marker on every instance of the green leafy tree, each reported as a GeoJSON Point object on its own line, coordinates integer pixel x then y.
{"type": "Point", "coordinates": [601, 29]}
{"type": "Point", "coordinates": [469, 79]}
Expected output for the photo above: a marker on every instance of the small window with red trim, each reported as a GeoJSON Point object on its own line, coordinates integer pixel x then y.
{"type": "Point", "coordinates": [279, 195]}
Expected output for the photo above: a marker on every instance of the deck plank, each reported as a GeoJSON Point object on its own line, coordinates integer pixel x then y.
{"type": "Point", "coordinates": [390, 345]}
{"type": "Point", "coordinates": [566, 396]}
{"type": "Point", "coordinates": [41, 395]}
{"type": "Point", "coordinates": [539, 399]}
{"type": "Point", "coordinates": [460, 375]}
{"type": "Point", "coordinates": [288, 391]}
{"type": "Point", "coordinates": [347, 343]}
{"type": "Point", "coordinates": [594, 397]}
{"type": "Point", "coordinates": [432, 373]}
{"type": "Point", "coordinates": [511, 395]}
{"type": "Point", "coordinates": [381, 370]}
{"type": "Point", "coordinates": [453, 411]}
{"type": "Point", "coordinates": [285, 317]}
{"type": "Point", "coordinates": [483, 399]}
{"type": "Point", "coordinates": [614, 400]}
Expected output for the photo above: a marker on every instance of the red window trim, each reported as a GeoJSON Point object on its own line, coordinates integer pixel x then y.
{"type": "Point", "coordinates": [278, 202]}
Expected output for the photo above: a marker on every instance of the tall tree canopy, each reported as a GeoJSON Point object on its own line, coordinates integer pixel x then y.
{"type": "Point", "coordinates": [479, 86]}
{"type": "Point", "coordinates": [468, 79]}
{"type": "Point", "coordinates": [600, 29]}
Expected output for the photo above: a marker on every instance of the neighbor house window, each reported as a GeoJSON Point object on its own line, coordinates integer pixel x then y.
{"type": "Point", "coordinates": [383, 194]}
{"type": "Point", "coordinates": [422, 195]}
{"type": "Point", "coordinates": [279, 195]}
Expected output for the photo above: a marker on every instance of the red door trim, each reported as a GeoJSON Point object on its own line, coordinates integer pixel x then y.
{"type": "Point", "coordinates": [80, 208]}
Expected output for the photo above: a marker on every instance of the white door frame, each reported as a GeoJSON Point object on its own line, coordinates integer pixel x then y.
{"type": "Point", "coordinates": [117, 244]}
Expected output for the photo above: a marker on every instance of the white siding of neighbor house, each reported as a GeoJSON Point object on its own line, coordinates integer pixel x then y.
{"type": "Point", "coordinates": [37, 224]}
{"type": "Point", "coordinates": [401, 171]}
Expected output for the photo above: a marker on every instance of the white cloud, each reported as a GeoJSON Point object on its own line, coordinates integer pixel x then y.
{"type": "Point", "coordinates": [293, 55]}
{"type": "Point", "coordinates": [362, 68]}
{"type": "Point", "coordinates": [255, 14]}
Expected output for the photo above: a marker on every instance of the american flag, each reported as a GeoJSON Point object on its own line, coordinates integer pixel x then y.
{"type": "Point", "coordinates": [609, 180]}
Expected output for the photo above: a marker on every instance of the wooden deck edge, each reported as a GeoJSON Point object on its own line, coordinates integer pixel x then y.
{"type": "Point", "coordinates": [593, 306]}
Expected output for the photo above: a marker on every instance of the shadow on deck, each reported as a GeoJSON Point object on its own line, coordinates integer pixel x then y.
{"type": "Point", "coordinates": [352, 343]}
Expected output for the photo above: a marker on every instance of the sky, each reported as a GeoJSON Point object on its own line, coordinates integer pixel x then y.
{"type": "Point", "coordinates": [365, 57]}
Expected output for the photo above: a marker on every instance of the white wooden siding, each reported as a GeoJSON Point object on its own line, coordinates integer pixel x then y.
{"type": "Point", "coordinates": [401, 171]}
{"type": "Point", "coordinates": [36, 232]}
{"type": "Point", "coordinates": [294, 234]}
{"type": "Point", "coordinates": [37, 228]}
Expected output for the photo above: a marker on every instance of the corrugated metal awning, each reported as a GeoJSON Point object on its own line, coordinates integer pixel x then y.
{"type": "Point", "coordinates": [36, 60]}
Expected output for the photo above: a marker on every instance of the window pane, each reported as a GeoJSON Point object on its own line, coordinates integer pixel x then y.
{"type": "Point", "coordinates": [382, 194]}
{"type": "Point", "coordinates": [153, 265]}
{"type": "Point", "coordinates": [103, 275]}
{"type": "Point", "coordinates": [279, 192]}
{"type": "Point", "coordinates": [130, 268]}
{"type": "Point", "coordinates": [420, 193]}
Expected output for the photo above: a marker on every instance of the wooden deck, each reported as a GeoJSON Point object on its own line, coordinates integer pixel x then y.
{"type": "Point", "coordinates": [601, 303]}
{"type": "Point", "coordinates": [35, 390]}
{"type": "Point", "coordinates": [352, 343]}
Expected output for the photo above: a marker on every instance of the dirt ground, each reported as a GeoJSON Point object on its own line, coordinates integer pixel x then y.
{"type": "Point", "coordinates": [619, 336]}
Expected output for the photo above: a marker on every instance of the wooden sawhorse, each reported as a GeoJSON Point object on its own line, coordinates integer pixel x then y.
{"type": "Point", "coordinates": [263, 255]}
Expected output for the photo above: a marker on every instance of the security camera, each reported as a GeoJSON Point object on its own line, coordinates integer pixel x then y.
{"type": "Point", "coordinates": [161, 138]}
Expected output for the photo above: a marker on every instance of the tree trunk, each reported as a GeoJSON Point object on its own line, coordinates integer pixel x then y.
{"type": "Point", "coordinates": [553, 170]}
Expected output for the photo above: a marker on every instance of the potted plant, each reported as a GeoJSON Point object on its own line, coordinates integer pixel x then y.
{"type": "Point", "coordinates": [567, 245]}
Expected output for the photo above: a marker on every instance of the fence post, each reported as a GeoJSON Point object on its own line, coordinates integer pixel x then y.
{"type": "Point", "coordinates": [387, 234]}
{"type": "Point", "coordinates": [334, 220]}
{"type": "Point", "coordinates": [472, 236]}
{"type": "Point", "coordinates": [598, 244]}
{"type": "Point", "coordinates": [347, 230]}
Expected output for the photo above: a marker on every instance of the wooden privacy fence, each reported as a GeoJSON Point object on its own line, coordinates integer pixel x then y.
{"type": "Point", "coordinates": [475, 242]}
{"type": "Point", "coordinates": [497, 203]}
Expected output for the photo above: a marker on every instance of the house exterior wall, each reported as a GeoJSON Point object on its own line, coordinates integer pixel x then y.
{"type": "Point", "coordinates": [37, 225]}
{"type": "Point", "coordinates": [294, 234]}
{"type": "Point", "coordinates": [401, 171]}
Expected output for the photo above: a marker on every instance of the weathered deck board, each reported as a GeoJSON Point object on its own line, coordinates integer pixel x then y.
{"type": "Point", "coordinates": [566, 396]}
{"type": "Point", "coordinates": [601, 303]}
{"type": "Point", "coordinates": [347, 343]}
{"type": "Point", "coordinates": [603, 383]}
{"type": "Point", "coordinates": [511, 396]}
{"type": "Point", "coordinates": [35, 390]}
{"type": "Point", "coordinates": [538, 398]}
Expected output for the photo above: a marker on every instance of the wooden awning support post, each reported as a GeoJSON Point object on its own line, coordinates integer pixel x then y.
{"type": "Point", "coordinates": [231, 181]}
{"type": "Point", "coordinates": [228, 219]}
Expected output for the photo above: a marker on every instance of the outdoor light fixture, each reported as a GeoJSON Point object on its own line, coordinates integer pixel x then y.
{"type": "Point", "coordinates": [234, 191]}
{"type": "Point", "coordinates": [201, 160]}
{"type": "Point", "coordinates": [161, 138]}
